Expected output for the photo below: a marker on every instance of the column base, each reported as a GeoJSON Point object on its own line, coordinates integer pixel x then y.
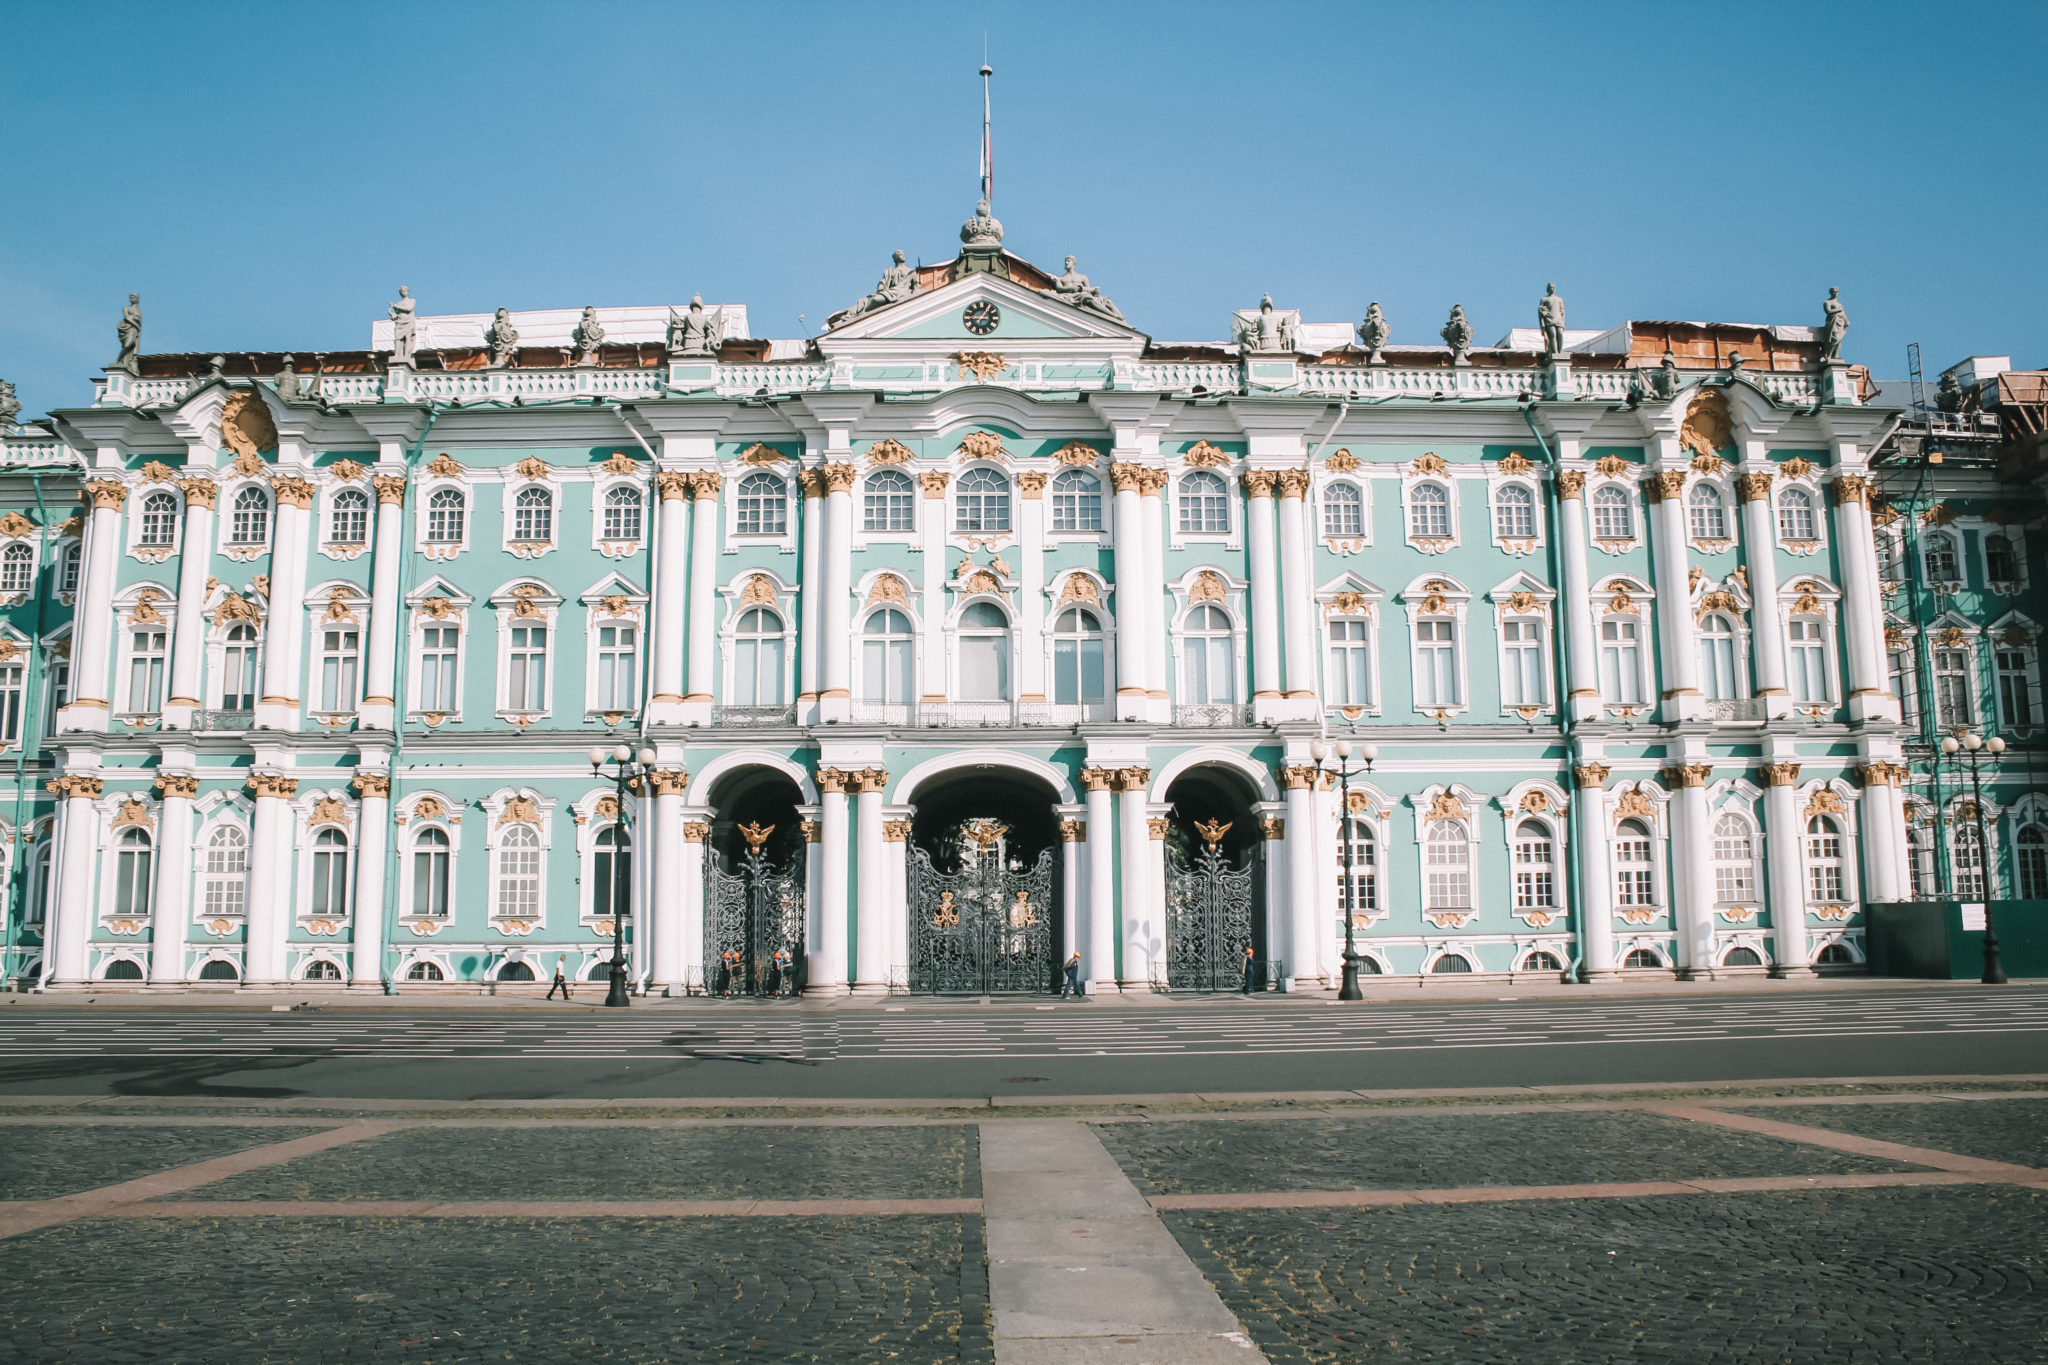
{"type": "Point", "coordinates": [1130, 705]}
{"type": "Point", "coordinates": [1135, 986]}
{"type": "Point", "coordinates": [835, 708]}
{"type": "Point", "coordinates": [830, 990]}
{"type": "Point", "coordinates": [1874, 706]}
{"type": "Point", "coordinates": [1267, 710]}
{"type": "Point", "coordinates": [665, 711]}
{"type": "Point", "coordinates": [1799, 973]}
{"type": "Point", "coordinates": [1590, 975]}
{"type": "Point", "coordinates": [869, 989]}
{"type": "Point", "coordinates": [1586, 708]}
{"type": "Point", "coordinates": [369, 716]}
{"type": "Point", "coordinates": [693, 711]}
{"type": "Point", "coordinates": [1103, 987]}
{"type": "Point", "coordinates": [178, 715]}
{"type": "Point", "coordinates": [91, 717]}
{"type": "Point", "coordinates": [277, 715]}
{"type": "Point", "coordinates": [1159, 710]}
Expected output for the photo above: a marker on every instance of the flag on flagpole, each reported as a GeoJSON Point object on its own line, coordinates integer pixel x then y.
{"type": "Point", "coordinates": [988, 146]}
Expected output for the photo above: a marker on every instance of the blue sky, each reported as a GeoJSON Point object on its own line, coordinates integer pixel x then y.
{"type": "Point", "coordinates": [267, 175]}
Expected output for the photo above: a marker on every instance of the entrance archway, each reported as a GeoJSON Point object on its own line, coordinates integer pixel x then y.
{"type": "Point", "coordinates": [754, 886]}
{"type": "Point", "coordinates": [984, 884]}
{"type": "Point", "coordinates": [1215, 887]}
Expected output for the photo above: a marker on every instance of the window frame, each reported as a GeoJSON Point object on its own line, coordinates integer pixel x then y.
{"type": "Point", "coordinates": [1814, 866]}
{"type": "Point", "coordinates": [597, 621]}
{"type": "Point", "coordinates": [1074, 474]}
{"type": "Point", "coordinates": [457, 620]}
{"type": "Point", "coordinates": [546, 615]}
{"type": "Point", "coordinates": [1516, 542]}
{"type": "Point", "coordinates": [1649, 873]}
{"type": "Point", "coordinates": [1703, 536]}
{"type": "Point", "coordinates": [956, 508]}
{"type": "Point", "coordinates": [1367, 618]}
{"type": "Point", "coordinates": [424, 541]}
{"type": "Point", "coordinates": [9, 558]}
{"type": "Point", "coordinates": [1185, 501]}
{"type": "Point", "coordinates": [1340, 493]}
{"type": "Point", "coordinates": [602, 492]}
{"type": "Point", "coordinates": [129, 656]}
{"type": "Point", "coordinates": [886, 499]}
{"type": "Point", "coordinates": [142, 544]}
{"type": "Point", "coordinates": [1456, 834]}
{"type": "Point", "coordinates": [210, 880]}
{"type": "Point", "coordinates": [1186, 636]}
{"type": "Point", "coordinates": [1748, 861]}
{"type": "Point", "coordinates": [959, 633]}
{"type": "Point", "coordinates": [414, 846]}
{"type": "Point", "coordinates": [1412, 502]}
{"type": "Point", "coordinates": [1787, 538]}
{"type": "Point", "coordinates": [1540, 621]}
{"type": "Point", "coordinates": [526, 503]}
{"type": "Point", "coordinates": [785, 654]}
{"type": "Point", "coordinates": [1645, 682]}
{"type": "Point", "coordinates": [315, 852]}
{"type": "Point", "coordinates": [1627, 500]}
{"type": "Point", "coordinates": [755, 485]}
{"type": "Point", "coordinates": [891, 644]}
{"type": "Point", "coordinates": [334, 509]}
{"type": "Point", "coordinates": [233, 513]}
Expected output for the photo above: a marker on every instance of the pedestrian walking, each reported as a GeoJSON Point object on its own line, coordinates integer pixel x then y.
{"type": "Point", "coordinates": [733, 965]}
{"type": "Point", "coordinates": [785, 978]}
{"type": "Point", "coordinates": [1251, 970]}
{"type": "Point", "coordinates": [561, 983]}
{"type": "Point", "coordinates": [1073, 978]}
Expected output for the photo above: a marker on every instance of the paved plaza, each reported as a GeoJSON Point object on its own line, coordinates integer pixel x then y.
{"type": "Point", "coordinates": [1793, 1222]}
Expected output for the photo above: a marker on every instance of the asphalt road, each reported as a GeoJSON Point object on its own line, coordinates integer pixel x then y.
{"type": "Point", "coordinates": [964, 1050]}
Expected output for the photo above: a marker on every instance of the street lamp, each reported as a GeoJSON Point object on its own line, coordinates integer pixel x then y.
{"type": "Point", "coordinates": [617, 996]}
{"type": "Point", "coordinates": [1343, 750]}
{"type": "Point", "coordinates": [1973, 744]}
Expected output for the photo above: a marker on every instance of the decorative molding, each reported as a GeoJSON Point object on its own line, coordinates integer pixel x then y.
{"type": "Point", "coordinates": [1077, 453]}
{"type": "Point", "coordinates": [888, 588]}
{"type": "Point", "coordinates": [443, 466]}
{"type": "Point", "coordinates": [1429, 462]}
{"type": "Point", "coordinates": [1824, 801]}
{"type": "Point", "coordinates": [1707, 427]}
{"type": "Point", "coordinates": [245, 425]}
{"type": "Point", "coordinates": [134, 811]}
{"type": "Point", "coordinates": [761, 456]}
{"type": "Point", "coordinates": [983, 365]}
{"type": "Point", "coordinates": [619, 462]}
{"type": "Point", "coordinates": [1634, 803]}
{"type": "Point", "coordinates": [519, 810]}
{"type": "Point", "coordinates": [328, 810]}
{"type": "Point", "coordinates": [933, 482]}
{"type": "Point", "coordinates": [1571, 483]}
{"type": "Point", "coordinates": [1207, 587]}
{"type": "Point", "coordinates": [1031, 484]}
{"type": "Point", "coordinates": [1207, 456]}
{"type": "Point", "coordinates": [1445, 807]}
{"type": "Point", "coordinates": [889, 450]}
{"type": "Point", "coordinates": [1611, 466]}
{"type": "Point", "coordinates": [1798, 467]}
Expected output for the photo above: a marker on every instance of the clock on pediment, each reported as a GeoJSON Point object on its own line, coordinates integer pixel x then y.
{"type": "Point", "coordinates": [981, 317]}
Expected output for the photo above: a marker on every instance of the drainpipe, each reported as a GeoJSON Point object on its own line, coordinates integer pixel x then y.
{"type": "Point", "coordinates": [403, 672]}
{"type": "Point", "coordinates": [32, 727]}
{"type": "Point", "coordinates": [653, 557]}
{"type": "Point", "coordinates": [1574, 908]}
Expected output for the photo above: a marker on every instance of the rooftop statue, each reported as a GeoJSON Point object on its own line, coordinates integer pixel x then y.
{"type": "Point", "coordinates": [898, 283]}
{"type": "Point", "coordinates": [1834, 326]}
{"type": "Point", "coordinates": [697, 332]}
{"type": "Point", "coordinates": [1550, 317]}
{"type": "Point", "coordinates": [981, 231]}
{"type": "Point", "coordinates": [1073, 287]}
{"type": "Point", "coordinates": [589, 336]}
{"type": "Point", "coordinates": [1457, 335]}
{"type": "Point", "coordinates": [1268, 332]}
{"type": "Point", "coordinates": [502, 337]}
{"type": "Point", "coordinates": [288, 383]}
{"type": "Point", "coordinates": [1948, 393]}
{"type": "Point", "coordinates": [1373, 334]}
{"type": "Point", "coordinates": [129, 330]}
{"type": "Point", "coordinates": [404, 326]}
{"type": "Point", "coordinates": [10, 406]}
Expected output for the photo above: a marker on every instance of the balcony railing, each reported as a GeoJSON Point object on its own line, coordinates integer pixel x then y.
{"type": "Point", "coordinates": [1213, 715]}
{"type": "Point", "coordinates": [223, 720]}
{"type": "Point", "coordinates": [753, 716]}
{"type": "Point", "coordinates": [1737, 712]}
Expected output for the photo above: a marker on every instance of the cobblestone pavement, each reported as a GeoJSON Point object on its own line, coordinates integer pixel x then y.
{"type": "Point", "coordinates": [625, 1290]}
{"type": "Point", "coordinates": [624, 1162]}
{"type": "Point", "coordinates": [40, 1161]}
{"type": "Point", "coordinates": [1451, 1150]}
{"type": "Point", "coordinates": [1996, 1130]}
{"type": "Point", "coordinates": [1940, 1275]}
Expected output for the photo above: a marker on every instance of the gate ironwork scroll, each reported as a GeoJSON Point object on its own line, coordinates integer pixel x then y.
{"type": "Point", "coordinates": [753, 912]}
{"type": "Point", "coordinates": [1208, 915]}
{"type": "Point", "coordinates": [984, 928]}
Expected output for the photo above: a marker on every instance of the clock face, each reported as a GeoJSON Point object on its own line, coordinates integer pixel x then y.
{"type": "Point", "coordinates": [982, 317]}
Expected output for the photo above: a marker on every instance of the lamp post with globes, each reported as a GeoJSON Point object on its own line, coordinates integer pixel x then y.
{"type": "Point", "coordinates": [1970, 743]}
{"type": "Point", "coordinates": [1342, 751]}
{"type": "Point", "coordinates": [617, 997]}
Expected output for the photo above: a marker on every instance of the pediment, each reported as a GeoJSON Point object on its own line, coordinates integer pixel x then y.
{"type": "Point", "coordinates": [1024, 317]}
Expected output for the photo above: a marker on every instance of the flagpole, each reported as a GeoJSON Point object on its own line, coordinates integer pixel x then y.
{"type": "Point", "coordinates": [988, 149]}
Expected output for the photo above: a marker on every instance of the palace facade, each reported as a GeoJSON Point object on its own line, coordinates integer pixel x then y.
{"type": "Point", "coordinates": [979, 629]}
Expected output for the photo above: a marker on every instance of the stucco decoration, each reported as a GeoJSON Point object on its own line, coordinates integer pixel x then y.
{"type": "Point", "coordinates": [1707, 428]}
{"type": "Point", "coordinates": [1347, 604]}
{"type": "Point", "coordinates": [1824, 801]}
{"type": "Point", "coordinates": [1515, 462]}
{"type": "Point", "coordinates": [234, 607]}
{"type": "Point", "coordinates": [144, 611]}
{"type": "Point", "coordinates": [1457, 334]}
{"type": "Point", "coordinates": [1207, 587]}
{"type": "Point", "coordinates": [340, 605]}
{"type": "Point", "coordinates": [761, 455]}
{"type": "Point", "coordinates": [1341, 462]}
{"type": "Point", "coordinates": [328, 810]}
{"type": "Point", "coordinates": [532, 467]}
{"type": "Point", "coordinates": [1798, 467]}
{"type": "Point", "coordinates": [156, 471]}
{"type": "Point", "coordinates": [245, 425]}
{"type": "Point", "coordinates": [134, 811]}
{"type": "Point", "coordinates": [620, 462]}
{"type": "Point", "coordinates": [889, 450]}
{"type": "Point", "coordinates": [345, 471]}
{"type": "Point", "coordinates": [1205, 455]}
{"type": "Point", "coordinates": [982, 445]}
{"type": "Point", "coordinates": [1445, 807]}
{"type": "Point", "coordinates": [437, 608]}
{"type": "Point", "coordinates": [1080, 587]}
{"type": "Point", "coordinates": [983, 365]}
{"type": "Point", "coordinates": [1611, 466]}
{"type": "Point", "coordinates": [888, 588]}
{"type": "Point", "coordinates": [1634, 804]}
{"type": "Point", "coordinates": [980, 581]}
{"type": "Point", "coordinates": [443, 466]}
{"type": "Point", "coordinates": [519, 810]}
{"type": "Point", "coordinates": [1429, 463]}
{"type": "Point", "coordinates": [1077, 453]}
{"type": "Point", "coordinates": [759, 591]}
{"type": "Point", "coordinates": [933, 482]}
{"type": "Point", "coordinates": [524, 603]}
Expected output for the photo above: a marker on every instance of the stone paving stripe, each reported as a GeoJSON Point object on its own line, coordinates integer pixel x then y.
{"type": "Point", "coordinates": [560, 1208]}
{"type": "Point", "coordinates": [44, 1213]}
{"type": "Point", "coordinates": [1510, 1194]}
{"type": "Point", "coordinates": [1861, 1146]}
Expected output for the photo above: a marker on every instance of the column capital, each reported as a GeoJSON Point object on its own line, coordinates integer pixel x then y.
{"type": "Point", "coordinates": [1258, 483]}
{"type": "Point", "coordinates": [1132, 779]}
{"type": "Point", "coordinates": [1879, 774]}
{"type": "Point", "coordinates": [1687, 774]}
{"type": "Point", "coordinates": [1850, 488]}
{"type": "Point", "coordinates": [1126, 477]}
{"type": "Point", "coordinates": [1031, 484]}
{"type": "Point", "coordinates": [895, 831]}
{"type": "Point", "coordinates": [839, 478]}
{"type": "Point", "coordinates": [373, 786]}
{"type": "Point", "coordinates": [198, 492]}
{"type": "Point", "coordinates": [177, 786]}
{"type": "Point", "coordinates": [74, 787]}
{"type": "Point", "coordinates": [704, 483]}
{"type": "Point", "coordinates": [1273, 827]}
{"type": "Point", "coordinates": [291, 491]}
{"type": "Point", "coordinates": [1151, 482]}
{"type": "Point", "coordinates": [1590, 776]}
{"type": "Point", "coordinates": [1156, 827]}
{"type": "Point", "coordinates": [672, 485]}
{"type": "Point", "coordinates": [1754, 486]}
{"type": "Point", "coordinates": [696, 831]}
{"type": "Point", "coordinates": [1293, 482]}
{"type": "Point", "coordinates": [1300, 776]}
{"type": "Point", "coordinates": [868, 781]}
{"type": "Point", "coordinates": [668, 781]}
{"type": "Point", "coordinates": [1668, 484]}
{"type": "Point", "coordinates": [273, 785]}
{"type": "Point", "coordinates": [933, 482]}
{"type": "Point", "coordinates": [1074, 831]}
{"type": "Point", "coordinates": [1099, 779]}
{"type": "Point", "coordinates": [833, 779]}
{"type": "Point", "coordinates": [1780, 774]}
{"type": "Point", "coordinates": [1571, 483]}
{"type": "Point", "coordinates": [106, 494]}
{"type": "Point", "coordinates": [813, 830]}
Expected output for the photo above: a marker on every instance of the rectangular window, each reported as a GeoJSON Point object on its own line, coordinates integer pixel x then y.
{"type": "Point", "coordinates": [60, 692]}
{"type": "Point", "coordinates": [526, 679]}
{"type": "Point", "coordinates": [1522, 676]}
{"type": "Point", "coordinates": [1621, 661]}
{"type": "Point", "coordinates": [1078, 677]}
{"type": "Point", "coordinates": [1634, 883]}
{"type": "Point", "coordinates": [2015, 695]}
{"type": "Point", "coordinates": [1449, 883]}
{"type": "Point", "coordinates": [985, 667]}
{"type": "Point", "coordinates": [338, 655]}
{"type": "Point", "coordinates": [146, 671]}
{"type": "Point", "coordinates": [1364, 890]}
{"type": "Point", "coordinates": [13, 679]}
{"type": "Point", "coordinates": [1436, 670]}
{"type": "Point", "coordinates": [1824, 868]}
{"type": "Point", "coordinates": [1350, 679]}
{"type": "Point", "coordinates": [617, 655]}
{"type": "Point", "coordinates": [1808, 660]}
{"type": "Point", "coordinates": [1905, 683]}
{"type": "Point", "coordinates": [438, 653]}
{"type": "Point", "coordinates": [1953, 704]}
{"type": "Point", "coordinates": [1535, 887]}
{"type": "Point", "coordinates": [886, 671]}
{"type": "Point", "coordinates": [1734, 878]}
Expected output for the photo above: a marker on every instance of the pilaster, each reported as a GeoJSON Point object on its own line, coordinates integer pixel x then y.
{"type": "Point", "coordinates": [373, 810]}
{"type": "Point", "coordinates": [170, 911]}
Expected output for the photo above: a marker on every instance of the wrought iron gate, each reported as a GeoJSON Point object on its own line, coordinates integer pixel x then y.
{"type": "Point", "coordinates": [985, 928]}
{"type": "Point", "coordinates": [1208, 915]}
{"type": "Point", "coordinates": [752, 913]}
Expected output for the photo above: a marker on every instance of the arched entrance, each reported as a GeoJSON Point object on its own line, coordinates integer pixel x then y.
{"type": "Point", "coordinates": [754, 883]}
{"type": "Point", "coordinates": [984, 884]}
{"type": "Point", "coordinates": [1215, 893]}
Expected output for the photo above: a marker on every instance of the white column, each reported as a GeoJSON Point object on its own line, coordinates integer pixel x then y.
{"type": "Point", "coordinates": [931, 644]}
{"type": "Point", "coordinates": [373, 810]}
{"type": "Point", "coordinates": [871, 907]}
{"type": "Point", "coordinates": [661, 916]}
{"type": "Point", "coordinates": [1265, 576]}
{"type": "Point", "coordinates": [1582, 686]}
{"type": "Point", "coordinates": [1073, 837]}
{"type": "Point", "coordinates": [1279, 898]}
{"type": "Point", "coordinates": [1297, 590]}
{"type": "Point", "coordinates": [92, 649]}
{"type": "Point", "coordinates": [169, 910]}
{"type": "Point", "coordinates": [812, 531]}
{"type": "Point", "coordinates": [1783, 863]}
{"type": "Point", "coordinates": [1151, 512]}
{"type": "Point", "coordinates": [828, 951]}
{"type": "Point", "coordinates": [1031, 587]}
{"type": "Point", "coordinates": [269, 907]}
{"type": "Point", "coordinates": [1128, 548]}
{"type": "Point", "coordinates": [387, 613]}
{"type": "Point", "coordinates": [70, 913]}
{"type": "Point", "coordinates": [1692, 867]}
{"type": "Point", "coordinates": [1883, 834]}
{"type": "Point", "coordinates": [1099, 953]}
{"type": "Point", "coordinates": [835, 698]}
{"type": "Point", "coordinates": [1302, 957]}
{"type": "Point", "coordinates": [703, 618]}
{"type": "Point", "coordinates": [285, 621]}
{"type": "Point", "coordinates": [1862, 605]}
{"type": "Point", "coordinates": [896, 826]}
{"type": "Point", "coordinates": [1596, 886]}
{"type": "Point", "coordinates": [188, 632]}
{"type": "Point", "coordinates": [1760, 555]}
{"type": "Point", "coordinates": [667, 642]}
{"type": "Point", "coordinates": [1135, 836]}
{"type": "Point", "coordinates": [1682, 697]}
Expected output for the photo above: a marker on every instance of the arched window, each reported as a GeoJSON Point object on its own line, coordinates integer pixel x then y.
{"type": "Point", "coordinates": [517, 894]}
{"type": "Point", "coordinates": [1795, 516]}
{"type": "Point", "coordinates": [1429, 512]}
{"type": "Point", "coordinates": [348, 518]}
{"type": "Point", "coordinates": [238, 669]}
{"type": "Point", "coordinates": [1836, 954]}
{"type": "Point", "coordinates": [888, 655]}
{"type": "Point", "coordinates": [1452, 964]}
{"type": "Point", "coordinates": [1642, 957]}
{"type": "Point", "coordinates": [1211, 651]}
{"type": "Point", "coordinates": [1343, 511]}
{"type": "Point", "coordinates": [982, 503]}
{"type": "Point", "coordinates": [1447, 858]}
{"type": "Point", "coordinates": [1940, 554]}
{"type": "Point", "coordinates": [1542, 962]}
{"type": "Point", "coordinates": [1739, 956]}
{"type": "Point", "coordinates": [1350, 674]}
{"type": "Point", "coordinates": [423, 971]}
{"type": "Point", "coordinates": [39, 884]}
{"type": "Point", "coordinates": [1708, 513]}
{"type": "Point", "coordinates": [2001, 565]}
{"type": "Point", "coordinates": [330, 873]}
{"type": "Point", "coordinates": [1966, 852]}
{"type": "Point", "coordinates": [1621, 660]}
{"type": "Point", "coordinates": [445, 511]}
{"type": "Point", "coordinates": [148, 653]}
{"type": "Point", "coordinates": [1634, 879]}
{"type": "Point", "coordinates": [1808, 658]}
{"type": "Point", "coordinates": [1535, 867]}
{"type": "Point", "coordinates": [1717, 657]}
{"type": "Point", "coordinates": [611, 873]}
{"type": "Point", "coordinates": [1613, 513]}
{"type": "Point", "coordinates": [218, 969]}
{"type": "Point", "coordinates": [2015, 683]}
{"type": "Point", "coordinates": [1204, 504]}
{"type": "Point", "coordinates": [159, 520]}
{"type": "Point", "coordinates": [1079, 676]}
{"type": "Point", "coordinates": [226, 873]}
{"type": "Point", "coordinates": [1364, 898]}
{"type": "Point", "coordinates": [67, 570]}
{"type": "Point", "coordinates": [1514, 512]}
{"type": "Point", "coordinates": [889, 502]}
{"type": "Point", "coordinates": [515, 971]}
{"type": "Point", "coordinates": [1734, 862]}
{"type": "Point", "coordinates": [17, 568]}
{"type": "Point", "coordinates": [1076, 501]}
{"type": "Point", "coordinates": [622, 513]}
{"type": "Point", "coordinates": [2030, 847]}
{"type": "Point", "coordinates": [249, 517]}
{"type": "Point", "coordinates": [320, 969]}
{"type": "Point", "coordinates": [1522, 675]}
{"type": "Point", "coordinates": [1920, 853]}
{"type": "Point", "coordinates": [431, 852]}
{"type": "Point", "coordinates": [1436, 662]}
{"type": "Point", "coordinates": [757, 659]}
{"type": "Point", "coordinates": [123, 969]}
{"type": "Point", "coordinates": [132, 881]}
{"type": "Point", "coordinates": [533, 516]}
{"type": "Point", "coordinates": [761, 508]}
{"type": "Point", "coordinates": [984, 653]}
{"type": "Point", "coordinates": [1824, 877]}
